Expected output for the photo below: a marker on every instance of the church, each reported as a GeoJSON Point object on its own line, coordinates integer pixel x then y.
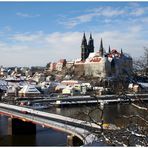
{"type": "Point", "coordinates": [102, 64]}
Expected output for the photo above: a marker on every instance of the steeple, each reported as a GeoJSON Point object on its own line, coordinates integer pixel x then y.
{"type": "Point", "coordinates": [101, 48]}
{"type": "Point", "coordinates": [84, 41]}
{"type": "Point", "coordinates": [121, 52]}
{"type": "Point", "coordinates": [90, 44]}
{"type": "Point", "coordinates": [90, 36]}
{"type": "Point", "coordinates": [109, 50]}
{"type": "Point", "coordinates": [84, 50]}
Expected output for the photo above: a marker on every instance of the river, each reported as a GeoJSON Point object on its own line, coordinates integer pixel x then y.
{"type": "Point", "coordinates": [48, 137]}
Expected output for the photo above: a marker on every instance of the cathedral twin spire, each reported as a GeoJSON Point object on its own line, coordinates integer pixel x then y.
{"type": "Point", "coordinates": [86, 49]}
{"type": "Point", "coordinates": [91, 44]}
{"type": "Point", "coordinates": [84, 41]}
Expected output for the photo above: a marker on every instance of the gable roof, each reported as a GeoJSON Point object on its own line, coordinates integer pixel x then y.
{"type": "Point", "coordinates": [29, 89]}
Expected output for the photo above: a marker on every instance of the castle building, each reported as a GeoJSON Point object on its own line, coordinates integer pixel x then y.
{"type": "Point", "coordinates": [102, 64]}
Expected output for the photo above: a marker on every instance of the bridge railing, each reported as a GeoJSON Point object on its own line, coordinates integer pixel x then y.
{"type": "Point", "coordinates": [45, 119]}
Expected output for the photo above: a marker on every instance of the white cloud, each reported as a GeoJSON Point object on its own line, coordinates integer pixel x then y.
{"type": "Point", "coordinates": [144, 20]}
{"type": "Point", "coordinates": [7, 28]}
{"type": "Point", "coordinates": [90, 15]}
{"type": "Point", "coordinates": [26, 15]}
{"type": "Point", "coordinates": [72, 22]}
{"type": "Point", "coordinates": [110, 12]}
{"type": "Point", "coordinates": [104, 14]}
{"type": "Point", "coordinates": [135, 29]}
{"type": "Point", "coordinates": [138, 12]}
{"type": "Point", "coordinates": [52, 47]}
{"type": "Point", "coordinates": [27, 36]}
{"type": "Point", "coordinates": [134, 4]}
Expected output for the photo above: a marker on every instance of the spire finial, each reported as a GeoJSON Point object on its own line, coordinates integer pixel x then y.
{"type": "Point", "coordinates": [90, 36]}
{"type": "Point", "coordinates": [84, 52]}
{"type": "Point", "coordinates": [109, 50]}
{"type": "Point", "coordinates": [101, 47]}
{"type": "Point", "coordinates": [121, 52]}
{"type": "Point", "coordinates": [84, 34]}
{"type": "Point", "coordinates": [84, 41]}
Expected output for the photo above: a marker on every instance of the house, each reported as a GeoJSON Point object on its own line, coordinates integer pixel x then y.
{"type": "Point", "coordinates": [69, 90]}
{"type": "Point", "coordinates": [29, 91]}
{"type": "Point", "coordinates": [11, 91]}
{"type": "Point", "coordinates": [69, 64]}
{"type": "Point", "coordinates": [60, 87]}
{"type": "Point", "coordinates": [38, 77]}
{"type": "Point", "coordinates": [70, 82]}
{"type": "Point", "coordinates": [138, 87]}
{"type": "Point", "coordinates": [60, 64]}
{"type": "Point", "coordinates": [52, 66]}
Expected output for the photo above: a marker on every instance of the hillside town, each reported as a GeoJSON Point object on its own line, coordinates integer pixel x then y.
{"type": "Point", "coordinates": [95, 73]}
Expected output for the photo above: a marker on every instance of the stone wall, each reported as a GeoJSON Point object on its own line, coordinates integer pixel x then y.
{"type": "Point", "coordinates": [98, 69]}
{"type": "Point", "coordinates": [118, 66]}
{"type": "Point", "coordinates": [79, 69]}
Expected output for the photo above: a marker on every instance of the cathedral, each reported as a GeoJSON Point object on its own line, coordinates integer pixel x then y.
{"type": "Point", "coordinates": [102, 64]}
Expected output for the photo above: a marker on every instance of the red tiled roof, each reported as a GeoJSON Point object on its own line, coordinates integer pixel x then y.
{"type": "Point", "coordinates": [113, 53]}
{"type": "Point", "coordinates": [95, 59]}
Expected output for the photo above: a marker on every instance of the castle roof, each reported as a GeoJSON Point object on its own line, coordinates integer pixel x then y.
{"type": "Point", "coordinates": [114, 53]}
{"type": "Point", "coordinates": [94, 57]}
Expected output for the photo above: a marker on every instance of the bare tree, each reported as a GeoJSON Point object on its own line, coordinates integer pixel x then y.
{"type": "Point", "coordinates": [141, 64]}
{"type": "Point", "coordinates": [134, 133]}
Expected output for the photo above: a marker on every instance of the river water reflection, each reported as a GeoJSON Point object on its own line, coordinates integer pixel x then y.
{"type": "Point", "coordinates": [48, 137]}
{"type": "Point", "coordinates": [113, 113]}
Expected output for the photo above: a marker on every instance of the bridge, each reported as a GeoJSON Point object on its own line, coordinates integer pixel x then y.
{"type": "Point", "coordinates": [24, 119]}
{"type": "Point", "coordinates": [85, 99]}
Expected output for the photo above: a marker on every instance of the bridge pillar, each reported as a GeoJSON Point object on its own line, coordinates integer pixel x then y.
{"type": "Point", "coordinates": [58, 103]}
{"type": "Point", "coordinates": [19, 127]}
{"type": "Point", "coordinates": [73, 140]}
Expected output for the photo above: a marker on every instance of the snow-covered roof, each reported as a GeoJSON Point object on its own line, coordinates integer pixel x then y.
{"type": "Point", "coordinates": [22, 83]}
{"type": "Point", "coordinates": [66, 82]}
{"type": "Point", "coordinates": [29, 89]}
{"type": "Point", "coordinates": [3, 82]}
{"type": "Point", "coordinates": [11, 89]}
{"type": "Point", "coordinates": [143, 84]}
{"type": "Point", "coordinates": [68, 88]}
{"type": "Point", "coordinates": [15, 79]}
{"type": "Point", "coordinates": [76, 60]}
{"type": "Point", "coordinates": [60, 86]}
{"type": "Point", "coordinates": [93, 57]}
{"type": "Point", "coordinates": [92, 54]}
{"type": "Point", "coordinates": [3, 85]}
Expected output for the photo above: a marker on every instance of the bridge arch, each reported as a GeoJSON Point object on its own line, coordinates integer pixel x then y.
{"type": "Point", "coordinates": [74, 127]}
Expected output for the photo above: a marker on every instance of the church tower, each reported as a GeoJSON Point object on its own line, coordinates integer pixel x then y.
{"type": "Point", "coordinates": [109, 50]}
{"type": "Point", "coordinates": [84, 49]}
{"type": "Point", "coordinates": [121, 52]}
{"type": "Point", "coordinates": [90, 45]}
{"type": "Point", "coordinates": [101, 51]}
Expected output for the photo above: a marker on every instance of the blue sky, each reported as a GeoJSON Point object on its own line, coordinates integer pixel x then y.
{"type": "Point", "coordinates": [34, 33]}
